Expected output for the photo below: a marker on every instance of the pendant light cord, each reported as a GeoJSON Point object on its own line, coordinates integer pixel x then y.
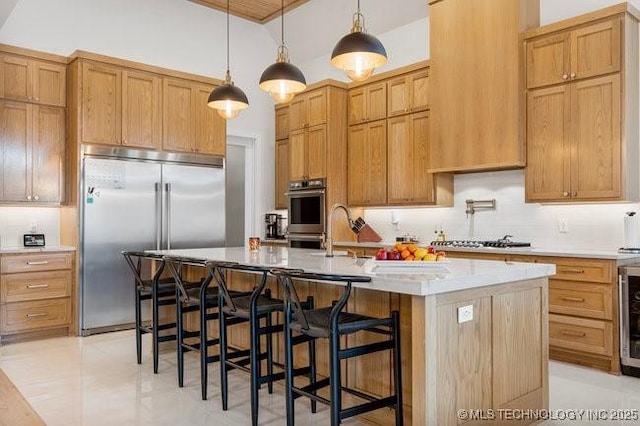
{"type": "Point", "coordinates": [228, 35]}
{"type": "Point", "coordinates": [282, 24]}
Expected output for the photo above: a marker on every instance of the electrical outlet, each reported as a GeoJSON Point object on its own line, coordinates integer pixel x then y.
{"type": "Point", "coordinates": [563, 225]}
{"type": "Point", "coordinates": [33, 226]}
{"type": "Point", "coordinates": [465, 314]}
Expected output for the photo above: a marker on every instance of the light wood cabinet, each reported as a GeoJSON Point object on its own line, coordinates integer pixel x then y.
{"type": "Point", "coordinates": [32, 141]}
{"type": "Point", "coordinates": [367, 159]}
{"type": "Point", "coordinates": [282, 122]}
{"type": "Point", "coordinates": [35, 295]}
{"type": "Point", "coordinates": [189, 125]}
{"type": "Point", "coordinates": [368, 103]}
{"type": "Point", "coordinates": [588, 51]}
{"type": "Point", "coordinates": [30, 80]}
{"type": "Point", "coordinates": [141, 110]}
{"type": "Point", "coordinates": [282, 173]}
{"type": "Point", "coordinates": [477, 105]}
{"type": "Point", "coordinates": [574, 141]}
{"type": "Point", "coordinates": [408, 93]}
{"type": "Point", "coordinates": [308, 109]}
{"type": "Point", "coordinates": [307, 153]}
{"type": "Point", "coordinates": [101, 104]}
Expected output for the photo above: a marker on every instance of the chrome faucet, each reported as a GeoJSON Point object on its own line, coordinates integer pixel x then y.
{"type": "Point", "coordinates": [329, 242]}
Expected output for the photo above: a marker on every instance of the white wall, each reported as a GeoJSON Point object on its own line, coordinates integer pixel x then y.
{"type": "Point", "coordinates": [16, 221]}
{"type": "Point", "coordinates": [175, 34]}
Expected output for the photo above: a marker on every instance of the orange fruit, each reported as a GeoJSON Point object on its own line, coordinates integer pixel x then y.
{"type": "Point", "coordinates": [405, 253]}
{"type": "Point", "coordinates": [409, 258]}
{"type": "Point", "coordinates": [411, 248]}
{"type": "Point", "coordinates": [400, 247]}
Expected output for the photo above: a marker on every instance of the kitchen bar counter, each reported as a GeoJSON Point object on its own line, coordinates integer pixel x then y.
{"type": "Point", "coordinates": [450, 363]}
{"type": "Point", "coordinates": [46, 249]}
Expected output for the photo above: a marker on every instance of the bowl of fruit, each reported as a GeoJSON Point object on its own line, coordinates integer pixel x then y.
{"type": "Point", "coordinates": [409, 255]}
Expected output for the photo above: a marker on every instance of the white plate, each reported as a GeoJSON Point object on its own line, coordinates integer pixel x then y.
{"type": "Point", "coordinates": [410, 263]}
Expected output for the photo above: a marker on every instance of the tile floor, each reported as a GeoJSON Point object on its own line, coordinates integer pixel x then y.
{"type": "Point", "coordinates": [96, 381]}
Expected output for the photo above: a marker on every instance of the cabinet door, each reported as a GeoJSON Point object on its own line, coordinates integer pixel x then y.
{"type": "Point", "coordinates": [178, 120]}
{"type": "Point", "coordinates": [596, 161]}
{"type": "Point", "coordinates": [101, 104]}
{"type": "Point", "coordinates": [316, 107]}
{"type": "Point", "coordinates": [548, 174]}
{"type": "Point", "coordinates": [15, 82]}
{"type": "Point", "coordinates": [282, 173]}
{"type": "Point", "coordinates": [398, 96]}
{"type": "Point", "coordinates": [358, 162]}
{"type": "Point", "coordinates": [357, 105]}
{"type": "Point", "coordinates": [282, 123]}
{"type": "Point", "coordinates": [297, 155]}
{"type": "Point", "coordinates": [595, 50]}
{"type": "Point", "coordinates": [48, 154]}
{"type": "Point", "coordinates": [141, 110]}
{"type": "Point", "coordinates": [298, 112]}
{"type": "Point", "coordinates": [377, 148]}
{"type": "Point", "coordinates": [400, 152]}
{"type": "Point", "coordinates": [376, 101]}
{"type": "Point", "coordinates": [548, 60]}
{"type": "Point", "coordinates": [423, 182]}
{"type": "Point", "coordinates": [17, 127]}
{"type": "Point", "coordinates": [316, 151]}
{"type": "Point", "coordinates": [419, 91]}
{"type": "Point", "coordinates": [49, 83]}
{"type": "Point", "coordinates": [210, 128]}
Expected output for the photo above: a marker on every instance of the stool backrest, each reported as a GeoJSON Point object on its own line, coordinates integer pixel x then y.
{"type": "Point", "coordinates": [217, 269]}
{"type": "Point", "coordinates": [175, 266]}
{"type": "Point", "coordinates": [134, 260]}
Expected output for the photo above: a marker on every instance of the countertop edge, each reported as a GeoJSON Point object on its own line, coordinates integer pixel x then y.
{"type": "Point", "coordinates": [26, 250]}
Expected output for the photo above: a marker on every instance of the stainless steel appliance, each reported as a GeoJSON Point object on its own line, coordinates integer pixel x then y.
{"type": "Point", "coordinates": [630, 320]}
{"type": "Point", "coordinates": [140, 200]}
{"type": "Point", "coordinates": [271, 225]}
{"type": "Point", "coordinates": [281, 227]}
{"type": "Point", "coordinates": [306, 213]}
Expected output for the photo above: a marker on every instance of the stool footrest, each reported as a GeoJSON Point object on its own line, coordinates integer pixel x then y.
{"type": "Point", "coordinates": [270, 329]}
{"type": "Point", "coordinates": [365, 349]}
{"type": "Point", "coordinates": [368, 406]}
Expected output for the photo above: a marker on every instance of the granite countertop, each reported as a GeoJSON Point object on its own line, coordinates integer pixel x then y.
{"type": "Point", "coordinates": [46, 249]}
{"type": "Point", "coordinates": [429, 279]}
{"type": "Point", "coordinates": [532, 251]}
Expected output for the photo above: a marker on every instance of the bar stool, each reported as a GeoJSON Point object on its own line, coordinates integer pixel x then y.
{"type": "Point", "coordinates": [190, 299]}
{"type": "Point", "coordinates": [161, 292]}
{"type": "Point", "coordinates": [254, 307]}
{"type": "Point", "coordinates": [330, 323]}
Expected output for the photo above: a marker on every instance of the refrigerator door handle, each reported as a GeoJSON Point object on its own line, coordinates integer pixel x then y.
{"type": "Point", "coordinates": [158, 218]}
{"type": "Point", "coordinates": [167, 207]}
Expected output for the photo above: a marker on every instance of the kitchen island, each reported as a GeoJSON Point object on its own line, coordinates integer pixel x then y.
{"type": "Point", "coordinates": [474, 332]}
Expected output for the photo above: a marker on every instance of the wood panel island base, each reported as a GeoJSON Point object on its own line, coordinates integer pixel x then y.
{"type": "Point", "coordinates": [474, 333]}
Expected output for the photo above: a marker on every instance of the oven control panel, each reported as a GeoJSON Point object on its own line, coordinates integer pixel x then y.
{"type": "Point", "coordinates": [306, 184]}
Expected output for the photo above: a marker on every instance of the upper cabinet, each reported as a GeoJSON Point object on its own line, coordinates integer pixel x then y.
{"type": "Point", "coordinates": [581, 144]}
{"type": "Point", "coordinates": [137, 106]}
{"type": "Point", "coordinates": [367, 153]}
{"type": "Point", "coordinates": [476, 80]}
{"type": "Point", "coordinates": [409, 93]}
{"type": "Point", "coordinates": [585, 52]}
{"type": "Point", "coordinates": [368, 103]}
{"type": "Point", "coordinates": [282, 156]}
{"type": "Point", "coordinates": [32, 80]}
{"type": "Point", "coordinates": [308, 109]}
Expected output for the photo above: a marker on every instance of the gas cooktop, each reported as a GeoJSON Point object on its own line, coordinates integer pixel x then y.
{"type": "Point", "coordinates": [501, 243]}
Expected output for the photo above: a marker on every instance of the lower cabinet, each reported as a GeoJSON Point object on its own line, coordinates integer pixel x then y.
{"type": "Point", "coordinates": [36, 295]}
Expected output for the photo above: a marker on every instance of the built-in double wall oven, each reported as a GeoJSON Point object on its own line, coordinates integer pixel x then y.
{"type": "Point", "coordinates": [630, 319]}
{"type": "Point", "coordinates": [306, 213]}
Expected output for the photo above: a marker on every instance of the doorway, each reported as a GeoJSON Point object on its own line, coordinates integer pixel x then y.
{"type": "Point", "coordinates": [238, 189]}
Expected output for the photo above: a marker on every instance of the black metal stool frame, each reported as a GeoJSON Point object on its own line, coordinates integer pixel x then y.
{"type": "Point", "coordinates": [148, 290]}
{"type": "Point", "coordinates": [295, 310]}
{"type": "Point", "coordinates": [217, 270]}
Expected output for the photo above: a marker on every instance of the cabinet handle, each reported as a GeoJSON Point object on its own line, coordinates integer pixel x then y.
{"type": "Point", "coordinates": [29, 197]}
{"type": "Point", "coordinates": [565, 76]}
{"type": "Point", "coordinates": [573, 271]}
{"type": "Point", "coordinates": [565, 194]}
{"type": "Point", "coordinates": [35, 197]}
{"type": "Point", "coordinates": [574, 333]}
{"type": "Point", "coordinates": [39, 262]}
{"type": "Point", "coordinates": [37, 98]}
{"type": "Point", "coordinates": [38, 286]}
{"type": "Point", "coordinates": [574, 194]}
{"type": "Point", "coordinates": [573, 75]}
{"type": "Point", "coordinates": [39, 314]}
{"type": "Point", "coordinates": [573, 299]}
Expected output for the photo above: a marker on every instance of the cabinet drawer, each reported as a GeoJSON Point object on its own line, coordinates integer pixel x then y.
{"type": "Point", "coordinates": [22, 316]}
{"type": "Point", "coordinates": [36, 262]}
{"type": "Point", "coordinates": [35, 285]}
{"type": "Point", "coordinates": [586, 335]}
{"type": "Point", "coordinates": [586, 270]}
{"type": "Point", "coordinates": [585, 300]}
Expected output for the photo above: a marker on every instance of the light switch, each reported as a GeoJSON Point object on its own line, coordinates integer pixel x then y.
{"type": "Point", "coordinates": [465, 314]}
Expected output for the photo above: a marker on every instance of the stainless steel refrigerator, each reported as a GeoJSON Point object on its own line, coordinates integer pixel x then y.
{"type": "Point", "coordinates": [140, 200]}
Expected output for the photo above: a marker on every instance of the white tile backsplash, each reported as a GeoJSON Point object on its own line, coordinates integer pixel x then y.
{"type": "Point", "coordinates": [589, 225]}
{"type": "Point", "coordinates": [16, 221]}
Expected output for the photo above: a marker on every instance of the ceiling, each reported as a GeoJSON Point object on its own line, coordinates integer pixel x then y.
{"type": "Point", "coordinates": [260, 11]}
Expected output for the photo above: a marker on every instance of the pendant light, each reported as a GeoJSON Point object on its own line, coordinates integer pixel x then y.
{"type": "Point", "coordinates": [358, 53]}
{"type": "Point", "coordinates": [228, 99]}
{"type": "Point", "coordinates": [282, 79]}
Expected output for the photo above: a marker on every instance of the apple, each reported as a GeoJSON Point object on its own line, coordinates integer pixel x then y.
{"type": "Point", "coordinates": [394, 255]}
{"type": "Point", "coordinates": [441, 255]}
{"type": "Point", "coordinates": [381, 254]}
{"type": "Point", "coordinates": [431, 250]}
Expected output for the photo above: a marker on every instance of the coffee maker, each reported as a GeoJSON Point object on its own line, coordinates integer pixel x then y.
{"type": "Point", "coordinates": [271, 226]}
